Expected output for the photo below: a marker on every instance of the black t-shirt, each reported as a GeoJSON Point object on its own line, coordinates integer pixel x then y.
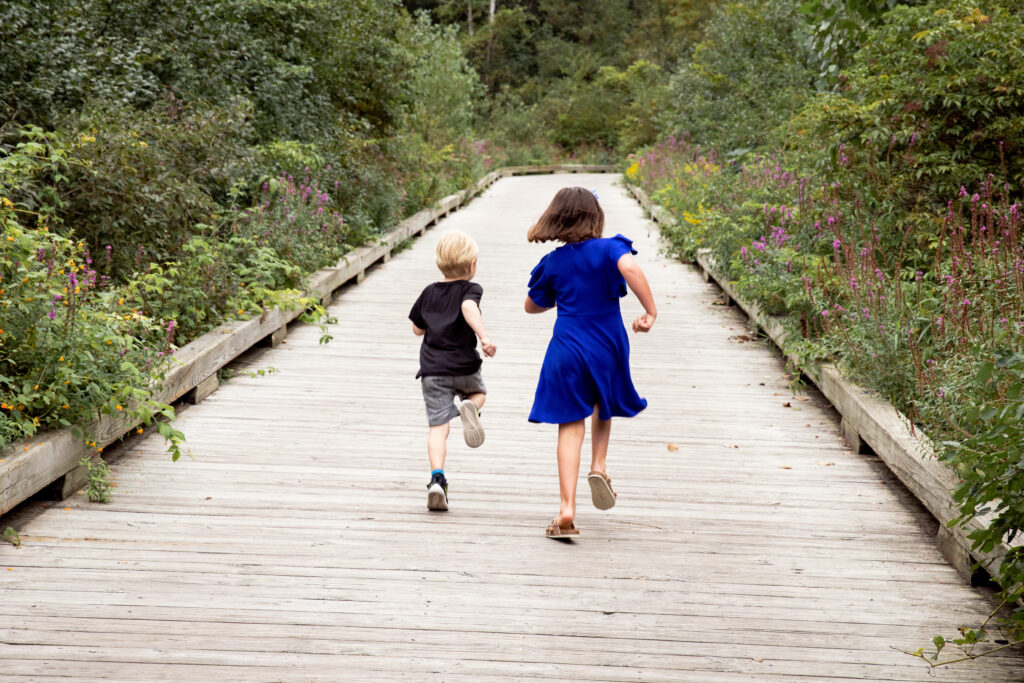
{"type": "Point", "coordinates": [449, 346]}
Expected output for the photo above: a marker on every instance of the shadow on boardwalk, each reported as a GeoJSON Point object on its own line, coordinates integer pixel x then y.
{"type": "Point", "coordinates": [297, 545]}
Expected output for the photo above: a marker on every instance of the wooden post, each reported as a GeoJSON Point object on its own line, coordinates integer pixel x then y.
{"type": "Point", "coordinates": [278, 336]}
{"type": "Point", "coordinates": [66, 486]}
{"type": "Point", "coordinates": [386, 257]}
{"type": "Point", "coordinates": [852, 437]}
{"type": "Point", "coordinates": [361, 276]}
{"type": "Point", "coordinates": [954, 552]}
{"type": "Point", "coordinates": [203, 389]}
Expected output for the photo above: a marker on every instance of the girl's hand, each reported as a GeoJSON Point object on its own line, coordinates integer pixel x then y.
{"type": "Point", "coordinates": [488, 346]}
{"type": "Point", "coordinates": [645, 322]}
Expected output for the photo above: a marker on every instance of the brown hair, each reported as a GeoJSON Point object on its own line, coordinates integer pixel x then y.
{"type": "Point", "coordinates": [572, 216]}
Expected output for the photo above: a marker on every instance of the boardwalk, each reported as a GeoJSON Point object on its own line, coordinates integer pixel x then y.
{"type": "Point", "coordinates": [296, 545]}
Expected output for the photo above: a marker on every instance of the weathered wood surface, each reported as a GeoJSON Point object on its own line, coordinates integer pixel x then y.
{"type": "Point", "coordinates": [27, 467]}
{"type": "Point", "coordinates": [871, 420]}
{"type": "Point", "coordinates": [296, 545]}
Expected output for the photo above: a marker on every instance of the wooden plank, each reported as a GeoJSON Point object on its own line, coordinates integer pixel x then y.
{"type": "Point", "coordinates": [295, 544]}
{"type": "Point", "coordinates": [200, 359]}
{"type": "Point", "coordinates": [866, 418]}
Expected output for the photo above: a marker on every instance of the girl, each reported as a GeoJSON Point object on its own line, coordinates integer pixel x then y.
{"type": "Point", "coordinates": [586, 368]}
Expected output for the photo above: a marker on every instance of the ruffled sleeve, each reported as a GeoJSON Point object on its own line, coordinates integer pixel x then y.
{"type": "Point", "coordinates": [542, 291]}
{"type": "Point", "coordinates": [617, 247]}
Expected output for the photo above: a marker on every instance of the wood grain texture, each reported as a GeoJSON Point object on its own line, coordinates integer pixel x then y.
{"type": "Point", "coordinates": [870, 419]}
{"type": "Point", "coordinates": [56, 454]}
{"type": "Point", "coordinates": [295, 544]}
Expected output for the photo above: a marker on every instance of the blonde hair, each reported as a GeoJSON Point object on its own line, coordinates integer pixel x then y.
{"type": "Point", "coordinates": [455, 253]}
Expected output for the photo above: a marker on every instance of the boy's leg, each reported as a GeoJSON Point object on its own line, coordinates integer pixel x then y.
{"type": "Point", "coordinates": [436, 446]}
{"type": "Point", "coordinates": [475, 393]}
{"type": "Point", "coordinates": [479, 399]}
{"type": "Point", "coordinates": [570, 441]}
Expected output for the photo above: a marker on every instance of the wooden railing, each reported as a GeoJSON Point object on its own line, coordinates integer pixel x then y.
{"type": "Point", "coordinates": [51, 459]}
{"type": "Point", "coordinates": [868, 419]}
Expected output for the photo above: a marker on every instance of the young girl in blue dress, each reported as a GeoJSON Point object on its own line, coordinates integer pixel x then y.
{"type": "Point", "coordinates": [586, 367]}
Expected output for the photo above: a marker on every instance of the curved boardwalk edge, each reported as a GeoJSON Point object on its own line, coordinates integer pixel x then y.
{"type": "Point", "coordinates": [867, 419]}
{"type": "Point", "coordinates": [29, 466]}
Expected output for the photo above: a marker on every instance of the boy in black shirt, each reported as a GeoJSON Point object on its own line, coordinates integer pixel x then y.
{"type": "Point", "coordinates": [447, 315]}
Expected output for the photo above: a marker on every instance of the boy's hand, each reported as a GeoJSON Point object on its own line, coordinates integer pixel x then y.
{"type": "Point", "coordinates": [645, 322]}
{"type": "Point", "coordinates": [488, 346]}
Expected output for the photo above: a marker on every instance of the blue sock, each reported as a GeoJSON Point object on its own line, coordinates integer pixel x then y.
{"type": "Point", "coordinates": [433, 472]}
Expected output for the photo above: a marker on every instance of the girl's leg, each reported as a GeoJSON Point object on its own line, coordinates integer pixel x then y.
{"type": "Point", "coordinates": [570, 441]}
{"type": "Point", "coordinates": [600, 433]}
{"type": "Point", "coordinates": [436, 445]}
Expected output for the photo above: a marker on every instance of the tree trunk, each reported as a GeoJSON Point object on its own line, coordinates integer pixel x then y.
{"type": "Point", "coordinates": [469, 15]}
{"type": "Point", "coordinates": [490, 18]}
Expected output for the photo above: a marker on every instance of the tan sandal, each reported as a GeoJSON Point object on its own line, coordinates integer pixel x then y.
{"type": "Point", "coordinates": [601, 491]}
{"type": "Point", "coordinates": [555, 531]}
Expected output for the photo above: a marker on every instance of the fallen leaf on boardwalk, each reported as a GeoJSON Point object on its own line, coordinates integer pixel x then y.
{"type": "Point", "coordinates": [785, 467]}
{"type": "Point", "coordinates": [802, 398]}
{"type": "Point", "coordinates": [729, 445]}
{"type": "Point", "coordinates": [743, 338]}
{"type": "Point", "coordinates": [716, 302]}
{"type": "Point", "coordinates": [757, 659]}
{"type": "Point", "coordinates": [787, 404]}
{"type": "Point", "coordinates": [11, 536]}
{"type": "Point", "coordinates": [672, 447]}
{"type": "Point", "coordinates": [825, 464]}
{"type": "Point", "coordinates": [778, 393]}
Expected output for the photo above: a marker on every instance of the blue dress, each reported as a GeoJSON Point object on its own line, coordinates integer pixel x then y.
{"type": "Point", "coordinates": [587, 361]}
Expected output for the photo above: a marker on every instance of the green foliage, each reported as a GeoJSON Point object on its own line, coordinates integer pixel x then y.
{"type": "Point", "coordinates": [746, 77]}
{"type": "Point", "coordinates": [98, 486]}
{"type": "Point", "coordinates": [11, 536]}
{"type": "Point", "coordinates": [70, 346]}
{"type": "Point", "coordinates": [616, 109]}
{"type": "Point", "coordinates": [838, 29]}
{"type": "Point", "coordinates": [935, 96]}
{"type": "Point", "coordinates": [990, 462]}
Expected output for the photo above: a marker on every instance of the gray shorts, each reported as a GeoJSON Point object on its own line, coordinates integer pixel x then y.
{"type": "Point", "coordinates": [439, 393]}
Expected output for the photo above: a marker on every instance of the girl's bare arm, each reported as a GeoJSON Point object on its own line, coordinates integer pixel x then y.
{"type": "Point", "coordinates": [637, 282]}
{"type": "Point", "coordinates": [419, 332]}
{"type": "Point", "coordinates": [532, 307]}
{"type": "Point", "coordinates": [475, 319]}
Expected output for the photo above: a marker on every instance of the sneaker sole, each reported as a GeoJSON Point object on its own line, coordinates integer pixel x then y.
{"type": "Point", "coordinates": [437, 501]}
{"type": "Point", "coordinates": [472, 430]}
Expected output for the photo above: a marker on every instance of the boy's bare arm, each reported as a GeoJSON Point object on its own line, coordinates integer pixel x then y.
{"type": "Point", "coordinates": [531, 307]}
{"type": "Point", "coordinates": [475, 319]}
{"type": "Point", "coordinates": [418, 331]}
{"type": "Point", "coordinates": [637, 282]}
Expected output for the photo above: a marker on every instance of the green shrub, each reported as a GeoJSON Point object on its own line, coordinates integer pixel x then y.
{"type": "Point", "coordinates": [935, 97]}
{"type": "Point", "coordinates": [747, 76]}
{"type": "Point", "coordinates": [71, 347]}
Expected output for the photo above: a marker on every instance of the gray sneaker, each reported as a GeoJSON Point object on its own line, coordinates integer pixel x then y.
{"type": "Point", "coordinates": [472, 430]}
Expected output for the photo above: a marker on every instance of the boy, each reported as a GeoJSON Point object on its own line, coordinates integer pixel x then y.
{"type": "Point", "coordinates": [447, 316]}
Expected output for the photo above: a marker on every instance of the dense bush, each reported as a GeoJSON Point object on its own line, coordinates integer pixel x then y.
{"type": "Point", "coordinates": [866, 240]}
{"type": "Point", "coordinates": [748, 75]}
{"type": "Point", "coordinates": [940, 85]}
{"type": "Point", "coordinates": [71, 346]}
